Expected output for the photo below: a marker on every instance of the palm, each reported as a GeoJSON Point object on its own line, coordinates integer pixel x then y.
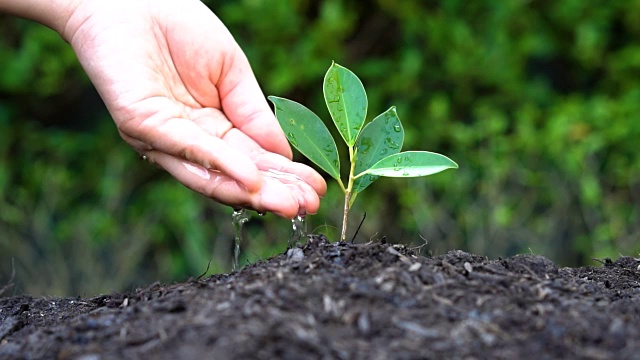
{"type": "Point", "coordinates": [190, 102]}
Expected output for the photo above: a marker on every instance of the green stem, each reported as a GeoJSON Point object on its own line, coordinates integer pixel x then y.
{"type": "Point", "coordinates": [345, 215]}
{"type": "Point", "coordinates": [347, 194]}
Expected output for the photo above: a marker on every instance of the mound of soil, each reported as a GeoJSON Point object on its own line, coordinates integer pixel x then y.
{"type": "Point", "coordinates": [347, 301]}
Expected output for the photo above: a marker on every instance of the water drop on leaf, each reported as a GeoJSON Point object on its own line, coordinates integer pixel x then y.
{"type": "Point", "coordinates": [292, 139]}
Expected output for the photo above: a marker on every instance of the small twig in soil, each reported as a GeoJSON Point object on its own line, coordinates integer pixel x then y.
{"type": "Point", "coordinates": [605, 262]}
{"type": "Point", "coordinates": [205, 272]}
{"type": "Point", "coordinates": [419, 247]}
{"type": "Point", "coordinates": [358, 229]}
{"type": "Point", "coordinates": [9, 283]}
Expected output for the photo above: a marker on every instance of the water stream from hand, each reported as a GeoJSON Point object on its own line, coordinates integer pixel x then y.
{"type": "Point", "coordinates": [299, 231]}
{"type": "Point", "coordinates": [238, 218]}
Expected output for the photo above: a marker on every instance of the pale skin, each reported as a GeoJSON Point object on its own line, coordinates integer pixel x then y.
{"type": "Point", "coordinates": [182, 94]}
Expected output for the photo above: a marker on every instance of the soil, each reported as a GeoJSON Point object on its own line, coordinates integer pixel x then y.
{"type": "Point", "coordinates": [347, 301]}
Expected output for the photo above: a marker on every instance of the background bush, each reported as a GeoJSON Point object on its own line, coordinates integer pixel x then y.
{"type": "Point", "coordinates": [538, 101]}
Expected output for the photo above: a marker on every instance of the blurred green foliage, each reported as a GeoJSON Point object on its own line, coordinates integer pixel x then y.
{"type": "Point", "coordinates": [538, 101]}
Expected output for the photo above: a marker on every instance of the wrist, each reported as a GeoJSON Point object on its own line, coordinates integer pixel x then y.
{"type": "Point", "coordinates": [51, 13]}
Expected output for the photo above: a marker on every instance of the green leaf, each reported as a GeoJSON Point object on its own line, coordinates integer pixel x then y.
{"type": "Point", "coordinates": [346, 100]}
{"type": "Point", "coordinates": [307, 133]}
{"type": "Point", "coordinates": [411, 164]}
{"type": "Point", "coordinates": [380, 138]}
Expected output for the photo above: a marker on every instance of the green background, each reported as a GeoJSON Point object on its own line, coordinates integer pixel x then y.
{"type": "Point", "coordinates": [537, 101]}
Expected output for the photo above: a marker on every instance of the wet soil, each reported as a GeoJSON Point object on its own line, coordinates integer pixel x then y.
{"type": "Point", "coordinates": [347, 301]}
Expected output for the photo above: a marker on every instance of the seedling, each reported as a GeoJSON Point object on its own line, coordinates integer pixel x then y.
{"type": "Point", "coordinates": [374, 149]}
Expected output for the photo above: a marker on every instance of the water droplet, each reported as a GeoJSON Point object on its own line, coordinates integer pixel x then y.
{"type": "Point", "coordinates": [365, 145]}
{"type": "Point", "coordinates": [396, 168]}
{"type": "Point", "coordinates": [292, 139]}
{"type": "Point", "coordinates": [238, 218]}
{"type": "Point", "coordinates": [405, 174]}
{"type": "Point", "coordinates": [298, 230]}
{"type": "Point", "coordinates": [329, 150]}
{"type": "Point", "coordinates": [399, 160]}
{"type": "Point", "coordinates": [392, 144]}
{"type": "Point", "coordinates": [262, 213]}
{"type": "Point", "coordinates": [397, 128]}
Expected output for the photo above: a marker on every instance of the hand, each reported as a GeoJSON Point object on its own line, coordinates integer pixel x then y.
{"type": "Point", "coordinates": [182, 93]}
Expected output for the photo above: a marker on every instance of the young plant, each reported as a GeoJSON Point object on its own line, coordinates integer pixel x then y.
{"type": "Point", "coordinates": [374, 149]}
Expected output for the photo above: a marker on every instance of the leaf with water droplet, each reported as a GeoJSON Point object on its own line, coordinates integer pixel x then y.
{"type": "Point", "coordinates": [414, 163]}
{"type": "Point", "coordinates": [307, 133]}
{"type": "Point", "coordinates": [346, 101]}
{"type": "Point", "coordinates": [377, 140]}
{"type": "Point", "coordinates": [292, 139]}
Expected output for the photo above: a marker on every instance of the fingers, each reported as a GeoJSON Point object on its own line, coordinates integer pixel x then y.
{"type": "Point", "coordinates": [277, 166]}
{"type": "Point", "coordinates": [186, 139]}
{"type": "Point", "coordinates": [268, 161]}
{"type": "Point", "coordinates": [224, 168]}
{"type": "Point", "coordinates": [280, 196]}
{"type": "Point", "coordinates": [245, 105]}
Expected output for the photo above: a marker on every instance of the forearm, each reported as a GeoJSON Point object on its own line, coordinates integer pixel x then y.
{"type": "Point", "coordinates": [52, 13]}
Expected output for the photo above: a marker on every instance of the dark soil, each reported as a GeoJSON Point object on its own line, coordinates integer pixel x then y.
{"type": "Point", "coordinates": [348, 301]}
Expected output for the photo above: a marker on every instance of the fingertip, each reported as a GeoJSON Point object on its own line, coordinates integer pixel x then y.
{"type": "Point", "coordinates": [239, 167]}
{"type": "Point", "coordinates": [253, 182]}
{"type": "Point", "coordinates": [278, 199]}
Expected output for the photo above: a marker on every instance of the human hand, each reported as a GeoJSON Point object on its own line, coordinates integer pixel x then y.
{"type": "Point", "coordinates": [182, 93]}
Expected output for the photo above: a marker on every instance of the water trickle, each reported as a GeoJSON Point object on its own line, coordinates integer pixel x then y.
{"type": "Point", "coordinates": [298, 230]}
{"type": "Point", "coordinates": [238, 218]}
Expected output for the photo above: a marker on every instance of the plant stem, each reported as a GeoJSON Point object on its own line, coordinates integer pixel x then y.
{"type": "Point", "coordinates": [347, 194]}
{"type": "Point", "coordinates": [345, 215]}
